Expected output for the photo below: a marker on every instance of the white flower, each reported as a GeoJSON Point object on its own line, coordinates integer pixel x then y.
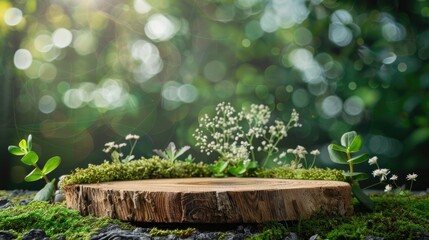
{"type": "Point", "coordinates": [412, 177]}
{"type": "Point", "coordinates": [132, 137]}
{"type": "Point", "coordinates": [373, 160]}
{"type": "Point", "coordinates": [110, 144]}
{"type": "Point", "coordinates": [388, 188]}
{"type": "Point", "coordinates": [394, 177]}
{"type": "Point", "coordinates": [382, 173]}
{"type": "Point", "coordinates": [315, 152]}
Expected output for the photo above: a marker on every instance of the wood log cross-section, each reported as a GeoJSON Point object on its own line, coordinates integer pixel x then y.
{"type": "Point", "coordinates": [210, 200]}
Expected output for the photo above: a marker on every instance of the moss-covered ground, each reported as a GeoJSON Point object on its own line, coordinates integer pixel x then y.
{"type": "Point", "coordinates": [394, 217]}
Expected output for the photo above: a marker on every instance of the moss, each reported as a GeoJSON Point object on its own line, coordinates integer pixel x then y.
{"type": "Point", "coordinates": [394, 217]}
{"type": "Point", "coordinates": [135, 170]}
{"type": "Point", "coordinates": [182, 233]}
{"type": "Point", "coordinates": [271, 231]}
{"type": "Point", "coordinates": [56, 220]}
{"type": "Point", "coordinates": [308, 174]}
{"type": "Point", "coordinates": [159, 168]}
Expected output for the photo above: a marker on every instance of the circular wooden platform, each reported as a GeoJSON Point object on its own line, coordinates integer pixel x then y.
{"type": "Point", "coordinates": [210, 200]}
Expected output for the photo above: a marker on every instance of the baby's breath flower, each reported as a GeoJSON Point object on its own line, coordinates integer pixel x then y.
{"type": "Point", "coordinates": [412, 177]}
{"type": "Point", "coordinates": [388, 188]}
{"type": "Point", "coordinates": [394, 177]}
{"type": "Point", "coordinates": [373, 160]}
{"type": "Point", "coordinates": [132, 137]}
{"type": "Point", "coordinates": [382, 173]}
{"type": "Point", "coordinates": [315, 152]}
{"type": "Point", "coordinates": [110, 144]}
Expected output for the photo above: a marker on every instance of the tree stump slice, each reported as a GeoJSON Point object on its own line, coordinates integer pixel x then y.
{"type": "Point", "coordinates": [210, 200]}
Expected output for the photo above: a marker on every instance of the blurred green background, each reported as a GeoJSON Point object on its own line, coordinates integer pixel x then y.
{"type": "Point", "coordinates": [76, 74]}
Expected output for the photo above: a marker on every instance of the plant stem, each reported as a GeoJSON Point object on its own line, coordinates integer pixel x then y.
{"type": "Point", "coordinates": [350, 163]}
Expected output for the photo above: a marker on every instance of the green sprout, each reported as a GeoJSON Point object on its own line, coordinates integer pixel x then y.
{"type": "Point", "coordinates": [31, 158]}
{"type": "Point", "coordinates": [351, 143]}
{"type": "Point", "coordinates": [171, 153]}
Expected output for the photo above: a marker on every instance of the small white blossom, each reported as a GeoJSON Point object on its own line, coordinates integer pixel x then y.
{"type": "Point", "coordinates": [382, 173]}
{"type": "Point", "coordinates": [394, 177]}
{"type": "Point", "coordinates": [315, 152]}
{"type": "Point", "coordinates": [412, 177]}
{"type": "Point", "coordinates": [388, 188]}
{"type": "Point", "coordinates": [373, 160]}
{"type": "Point", "coordinates": [132, 137]}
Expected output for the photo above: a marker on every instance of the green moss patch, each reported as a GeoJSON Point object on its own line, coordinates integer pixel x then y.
{"type": "Point", "coordinates": [302, 173]}
{"type": "Point", "coordinates": [394, 217]}
{"type": "Point", "coordinates": [56, 220]}
{"type": "Point", "coordinates": [155, 167]}
{"type": "Point", "coordinates": [152, 168]}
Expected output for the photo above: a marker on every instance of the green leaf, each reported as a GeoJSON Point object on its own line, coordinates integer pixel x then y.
{"type": "Point", "coordinates": [356, 145]}
{"type": "Point", "coordinates": [51, 165]}
{"type": "Point", "coordinates": [35, 175]}
{"type": "Point", "coordinates": [15, 150]}
{"type": "Point", "coordinates": [30, 158]}
{"type": "Point", "coordinates": [339, 148]}
{"type": "Point", "coordinates": [359, 159]}
{"type": "Point", "coordinates": [29, 142]}
{"type": "Point", "coordinates": [357, 176]}
{"type": "Point", "coordinates": [219, 167]}
{"type": "Point", "coordinates": [336, 156]}
{"type": "Point", "coordinates": [237, 171]}
{"type": "Point", "coordinates": [362, 197]}
{"type": "Point", "coordinates": [252, 165]}
{"type": "Point", "coordinates": [23, 144]}
{"type": "Point", "coordinates": [347, 138]}
{"type": "Point", "coordinates": [46, 193]}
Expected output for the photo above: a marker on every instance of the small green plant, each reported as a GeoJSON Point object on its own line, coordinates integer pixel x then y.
{"type": "Point", "coordinates": [351, 143]}
{"type": "Point", "coordinates": [31, 158]}
{"type": "Point", "coordinates": [235, 168]}
{"type": "Point", "coordinates": [171, 153]}
{"type": "Point", "coordinates": [115, 149]}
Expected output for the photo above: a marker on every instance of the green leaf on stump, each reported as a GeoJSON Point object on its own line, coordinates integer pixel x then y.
{"type": "Point", "coordinates": [46, 193]}
{"type": "Point", "coordinates": [30, 158]}
{"type": "Point", "coordinates": [337, 156]}
{"type": "Point", "coordinates": [51, 165]}
{"type": "Point", "coordinates": [34, 175]}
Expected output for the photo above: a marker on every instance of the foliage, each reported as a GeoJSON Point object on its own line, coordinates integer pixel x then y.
{"type": "Point", "coordinates": [351, 143]}
{"type": "Point", "coordinates": [271, 231]}
{"type": "Point", "coordinates": [152, 168]}
{"type": "Point", "coordinates": [31, 158]}
{"type": "Point", "coordinates": [161, 168]}
{"type": "Point", "coordinates": [171, 153]}
{"type": "Point", "coordinates": [309, 174]}
{"type": "Point", "coordinates": [393, 217]}
{"type": "Point", "coordinates": [56, 219]}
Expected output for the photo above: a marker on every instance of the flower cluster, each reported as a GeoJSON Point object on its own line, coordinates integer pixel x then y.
{"type": "Point", "coordinates": [115, 149]}
{"type": "Point", "coordinates": [299, 155]}
{"type": "Point", "coordinates": [383, 173]}
{"type": "Point", "coordinates": [238, 136]}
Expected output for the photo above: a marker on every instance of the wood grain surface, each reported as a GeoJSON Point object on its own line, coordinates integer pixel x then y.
{"type": "Point", "coordinates": [210, 200]}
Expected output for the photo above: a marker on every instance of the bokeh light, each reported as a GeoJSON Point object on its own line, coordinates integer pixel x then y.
{"type": "Point", "coordinates": [22, 59]}
{"type": "Point", "coordinates": [13, 16]}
